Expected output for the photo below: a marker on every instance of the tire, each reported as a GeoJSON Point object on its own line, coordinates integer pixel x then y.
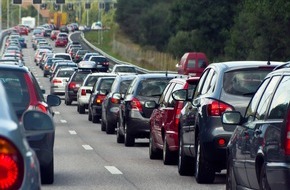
{"type": "Point", "coordinates": [67, 101]}
{"type": "Point", "coordinates": [154, 153]}
{"type": "Point", "coordinates": [120, 137]}
{"type": "Point", "coordinates": [169, 157]}
{"type": "Point", "coordinates": [95, 119]}
{"type": "Point", "coordinates": [204, 172]}
{"type": "Point", "coordinates": [185, 163]}
{"type": "Point", "coordinates": [90, 115]}
{"type": "Point", "coordinates": [129, 139]}
{"type": "Point", "coordinates": [263, 181]}
{"type": "Point", "coordinates": [230, 177]}
{"type": "Point", "coordinates": [103, 125]}
{"type": "Point", "coordinates": [82, 109]}
{"type": "Point", "coordinates": [110, 128]}
{"type": "Point", "coordinates": [47, 174]}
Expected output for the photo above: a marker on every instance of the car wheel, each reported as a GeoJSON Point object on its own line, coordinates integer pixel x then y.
{"type": "Point", "coordinates": [169, 157]}
{"type": "Point", "coordinates": [230, 177]}
{"type": "Point", "coordinates": [154, 153]}
{"type": "Point", "coordinates": [129, 140]}
{"type": "Point", "coordinates": [120, 137]}
{"type": "Point", "coordinates": [185, 163]}
{"type": "Point", "coordinates": [44, 75]}
{"type": "Point", "coordinates": [67, 101]}
{"type": "Point", "coordinates": [204, 172]}
{"type": "Point", "coordinates": [110, 127]}
{"type": "Point", "coordinates": [103, 125]}
{"type": "Point", "coordinates": [95, 119]}
{"type": "Point", "coordinates": [82, 109]}
{"type": "Point", "coordinates": [263, 181]}
{"type": "Point", "coordinates": [90, 115]}
{"type": "Point", "coordinates": [47, 174]}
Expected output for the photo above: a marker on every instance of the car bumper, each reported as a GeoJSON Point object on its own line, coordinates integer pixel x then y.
{"type": "Point", "coordinates": [72, 95]}
{"type": "Point", "coordinates": [138, 126]}
{"type": "Point", "coordinates": [57, 90]}
{"type": "Point", "coordinates": [83, 100]}
{"type": "Point", "coordinates": [278, 175]}
{"type": "Point", "coordinates": [97, 110]}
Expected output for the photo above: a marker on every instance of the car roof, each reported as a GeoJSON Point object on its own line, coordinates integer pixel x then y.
{"type": "Point", "coordinates": [244, 64]}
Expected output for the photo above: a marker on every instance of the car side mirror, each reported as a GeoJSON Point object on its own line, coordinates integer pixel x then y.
{"type": "Point", "coordinates": [150, 104]}
{"type": "Point", "coordinates": [181, 95]}
{"type": "Point", "coordinates": [53, 100]}
{"type": "Point", "coordinates": [103, 91]}
{"type": "Point", "coordinates": [34, 120]}
{"type": "Point", "coordinates": [231, 117]}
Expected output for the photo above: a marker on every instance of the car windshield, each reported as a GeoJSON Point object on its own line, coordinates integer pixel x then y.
{"type": "Point", "coordinates": [243, 82]}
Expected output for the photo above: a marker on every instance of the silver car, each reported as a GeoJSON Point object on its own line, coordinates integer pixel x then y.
{"type": "Point", "coordinates": [58, 82]}
{"type": "Point", "coordinates": [17, 159]}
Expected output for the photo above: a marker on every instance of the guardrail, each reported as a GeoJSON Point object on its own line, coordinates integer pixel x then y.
{"type": "Point", "coordinates": [3, 34]}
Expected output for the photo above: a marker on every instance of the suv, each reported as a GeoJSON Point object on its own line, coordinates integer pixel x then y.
{"type": "Point", "coordinates": [164, 120]}
{"type": "Point", "coordinates": [203, 139]}
{"type": "Point", "coordinates": [259, 150]}
{"type": "Point", "coordinates": [133, 114]}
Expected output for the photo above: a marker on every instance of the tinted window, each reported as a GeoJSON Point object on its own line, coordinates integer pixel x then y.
{"type": "Point", "coordinates": [264, 102]}
{"type": "Point", "coordinates": [207, 82]}
{"type": "Point", "coordinates": [98, 59]}
{"type": "Point", "coordinates": [165, 95]}
{"type": "Point", "coordinates": [64, 73]}
{"type": "Point", "coordinates": [125, 69]}
{"type": "Point", "coordinates": [66, 57]}
{"type": "Point", "coordinates": [152, 87]}
{"type": "Point", "coordinates": [106, 84]}
{"type": "Point", "coordinates": [200, 83]}
{"type": "Point", "coordinates": [243, 82]}
{"type": "Point", "coordinates": [124, 86]}
{"type": "Point", "coordinates": [79, 76]}
{"type": "Point", "coordinates": [91, 80]}
{"type": "Point", "coordinates": [171, 101]}
{"type": "Point", "coordinates": [191, 63]}
{"type": "Point", "coordinates": [201, 63]}
{"type": "Point", "coordinates": [280, 100]}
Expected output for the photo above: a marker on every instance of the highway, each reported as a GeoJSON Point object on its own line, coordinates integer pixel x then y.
{"type": "Point", "coordinates": [87, 158]}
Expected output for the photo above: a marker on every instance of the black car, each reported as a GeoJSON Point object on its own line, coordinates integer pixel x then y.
{"type": "Point", "coordinates": [64, 29]}
{"type": "Point", "coordinates": [133, 114]}
{"type": "Point", "coordinates": [101, 61]}
{"type": "Point", "coordinates": [258, 153]}
{"type": "Point", "coordinates": [203, 139]}
{"type": "Point", "coordinates": [110, 105]}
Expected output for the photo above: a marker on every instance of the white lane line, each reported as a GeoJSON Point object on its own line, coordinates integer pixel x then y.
{"type": "Point", "coordinates": [63, 121]}
{"type": "Point", "coordinates": [113, 170]}
{"type": "Point", "coordinates": [87, 147]}
{"type": "Point", "coordinates": [57, 112]}
{"type": "Point", "coordinates": [72, 132]}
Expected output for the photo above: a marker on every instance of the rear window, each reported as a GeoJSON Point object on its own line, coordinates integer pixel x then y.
{"type": "Point", "coordinates": [66, 57]}
{"type": "Point", "coordinates": [152, 87]}
{"type": "Point", "coordinates": [91, 80]}
{"type": "Point", "coordinates": [64, 73]}
{"type": "Point", "coordinates": [125, 69]}
{"type": "Point", "coordinates": [243, 82]}
{"type": "Point", "coordinates": [106, 84]}
{"type": "Point", "coordinates": [80, 76]}
{"type": "Point", "coordinates": [99, 59]}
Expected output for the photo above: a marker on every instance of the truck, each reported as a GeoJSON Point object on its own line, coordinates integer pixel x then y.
{"type": "Point", "coordinates": [59, 19]}
{"type": "Point", "coordinates": [28, 21]}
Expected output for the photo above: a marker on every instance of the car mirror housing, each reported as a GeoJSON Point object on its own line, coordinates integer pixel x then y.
{"type": "Point", "coordinates": [34, 120]}
{"type": "Point", "coordinates": [150, 104]}
{"type": "Point", "coordinates": [180, 95]}
{"type": "Point", "coordinates": [231, 117]}
{"type": "Point", "coordinates": [53, 100]}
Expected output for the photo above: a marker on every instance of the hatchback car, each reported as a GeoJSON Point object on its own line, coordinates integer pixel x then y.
{"type": "Point", "coordinates": [133, 114]}
{"type": "Point", "coordinates": [25, 94]}
{"type": "Point", "coordinates": [164, 121]}
{"type": "Point", "coordinates": [18, 162]}
{"type": "Point", "coordinates": [79, 55]}
{"type": "Point", "coordinates": [259, 150]}
{"type": "Point", "coordinates": [58, 82]}
{"type": "Point", "coordinates": [61, 40]}
{"type": "Point", "coordinates": [126, 69]}
{"type": "Point", "coordinates": [85, 90]}
{"type": "Point", "coordinates": [101, 61]}
{"type": "Point", "coordinates": [110, 105]}
{"type": "Point", "coordinates": [203, 139]}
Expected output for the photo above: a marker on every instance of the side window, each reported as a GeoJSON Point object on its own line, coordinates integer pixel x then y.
{"type": "Point", "coordinates": [280, 100]}
{"type": "Point", "coordinates": [191, 63]}
{"type": "Point", "coordinates": [212, 82]}
{"type": "Point", "coordinates": [130, 89]}
{"type": "Point", "coordinates": [255, 100]}
{"type": "Point", "coordinates": [171, 101]}
{"type": "Point", "coordinates": [264, 102]}
{"type": "Point", "coordinates": [206, 85]}
{"type": "Point", "coordinates": [162, 97]}
{"type": "Point", "coordinates": [200, 84]}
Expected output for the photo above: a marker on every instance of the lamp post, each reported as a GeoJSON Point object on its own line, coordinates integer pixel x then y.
{"type": "Point", "coordinates": [8, 14]}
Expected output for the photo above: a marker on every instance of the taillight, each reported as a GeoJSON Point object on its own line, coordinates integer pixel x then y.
{"type": "Point", "coordinates": [99, 98]}
{"type": "Point", "coordinates": [83, 92]}
{"type": "Point", "coordinates": [136, 105]}
{"type": "Point", "coordinates": [11, 166]}
{"type": "Point", "coordinates": [115, 101]}
{"type": "Point", "coordinates": [77, 56]}
{"type": "Point", "coordinates": [56, 81]}
{"type": "Point", "coordinates": [39, 106]}
{"type": "Point", "coordinates": [105, 63]}
{"type": "Point", "coordinates": [177, 114]}
{"type": "Point", "coordinates": [287, 137]}
{"type": "Point", "coordinates": [216, 108]}
{"type": "Point", "coordinates": [72, 85]}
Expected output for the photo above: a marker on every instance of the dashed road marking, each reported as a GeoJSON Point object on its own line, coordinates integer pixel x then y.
{"type": "Point", "coordinates": [63, 121]}
{"type": "Point", "coordinates": [113, 170]}
{"type": "Point", "coordinates": [57, 112]}
{"type": "Point", "coordinates": [72, 132]}
{"type": "Point", "coordinates": [87, 147]}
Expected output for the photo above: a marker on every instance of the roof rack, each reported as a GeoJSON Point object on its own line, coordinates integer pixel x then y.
{"type": "Point", "coordinates": [285, 65]}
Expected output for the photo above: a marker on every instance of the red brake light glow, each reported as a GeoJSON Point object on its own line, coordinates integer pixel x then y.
{"type": "Point", "coordinates": [56, 81]}
{"type": "Point", "coordinates": [216, 108]}
{"type": "Point", "coordinates": [72, 85]}
{"type": "Point", "coordinates": [99, 98]}
{"type": "Point", "coordinates": [83, 92]}
{"type": "Point", "coordinates": [136, 105]}
{"type": "Point", "coordinates": [287, 137]}
{"type": "Point", "coordinates": [11, 166]}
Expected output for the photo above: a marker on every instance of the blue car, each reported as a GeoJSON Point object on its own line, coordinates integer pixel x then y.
{"type": "Point", "coordinates": [22, 42]}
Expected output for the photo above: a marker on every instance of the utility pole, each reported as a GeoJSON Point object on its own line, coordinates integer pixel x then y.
{"type": "Point", "coordinates": [8, 13]}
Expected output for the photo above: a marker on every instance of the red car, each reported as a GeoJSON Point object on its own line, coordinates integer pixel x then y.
{"type": "Point", "coordinates": [61, 42]}
{"type": "Point", "coordinates": [54, 34]}
{"type": "Point", "coordinates": [164, 121]}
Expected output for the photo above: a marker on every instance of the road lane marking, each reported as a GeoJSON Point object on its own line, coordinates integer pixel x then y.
{"type": "Point", "coordinates": [72, 132]}
{"type": "Point", "coordinates": [63, 121]}
{"type": "Point", "coordinates": [57, 112]}
{"type": "Point", "coordinates": [113, 170]}
{"type": "Point", "coordinates": [87, 147]}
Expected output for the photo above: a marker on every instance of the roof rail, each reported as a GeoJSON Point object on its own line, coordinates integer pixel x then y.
{"type": "Point", "coordinates": [285, 65]}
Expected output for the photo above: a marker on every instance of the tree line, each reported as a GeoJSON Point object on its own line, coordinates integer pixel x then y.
{"type": "Point", "coordinates": [223, 29]}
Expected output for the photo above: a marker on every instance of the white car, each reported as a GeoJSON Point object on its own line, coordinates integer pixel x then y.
{"type": "Point", "coordinates": [124, 69]}
{"type": "Point", "coordinates": [58, 82]}
{"type": "Point", "coordinates": [65, 56]}
{"type": "Point", "coordinates": [84, 92]}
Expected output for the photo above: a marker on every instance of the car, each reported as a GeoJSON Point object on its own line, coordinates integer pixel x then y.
{"type": "Point", "coordinates": [18, 161]}
{"type": "Point", "coordinates": [192, 63]}
{"type": "Point", "coordinates": [22, 42]}
{"type": "Point", "coordinates": [38, 55]}
{"type": "Point", "coordinates": [79, 46]}
{"type": "Point", "coordinates": [87, 56]}
{"type": "Point", "coordinates": [127, 69]}
{"type": "Point", "coordinates": [164, 120]}
{"type": "Point", "coordinates": [65, 56]}
{"type": "Point", "coordinates": [58, 82]}
{"type": "Point", "coordinates": [133, 121]}
{"type": "Point", "coordinates": [72, 43]}
{"type": "Point", "coordinates": [85, 90]}
{"type": "Point", "coordinates": [61, 40]}
{"type": "Point", "coordinates": [79, 55]}
{"type": "Point", "coordinates": [110, 106]}
{"type": "Point", "coordinates": [101, 61]}
{"type": "Point", "coordinates": [54, 34]}
{"type": "Point", "coordinates": [64, 29]}
{"type": "Point", "coordinates": [61, 64]}
{"type": "Point", "coordinates": [47, 65]}
{"type": "Point", "coordinates": [25, 94]}
{"type": "Point", "coordinates": [258, 151]}
{"type": "Point", "coordinates": [73, 50]}
{"type": "Point", "coordinates": [100, 89]}
{"type": "Point", "coordinates": [203, 139]}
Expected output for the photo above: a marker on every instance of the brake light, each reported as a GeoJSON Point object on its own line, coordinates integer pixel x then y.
{"type": "Point", "coordinates": [216, 108]}
{"type": "Point", "coordinates": [83, 92]}
{"type": "Point", "coordinates": [136, 105]}
{"type": "Point", "coordinates": [177, 114]}
{"type": "Point", "coordinates": [56, 81]}
{"type": "Point", "coordinates": [72, 85]}
{"type": "Point", "coordinates": [115, 101]}
{"type": "Point", "coordinates": [11, 166]}
{"type": "Point", "coordinates": [38, 106]}
{"type": "Point", "coordinates": [77, 56]}
{"type": "Point", "coordinates": [287, 137]}
{"type": "Point", "coordinates": [99, 98]}
{"type": "Point", "coordinates": [105, 63]}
